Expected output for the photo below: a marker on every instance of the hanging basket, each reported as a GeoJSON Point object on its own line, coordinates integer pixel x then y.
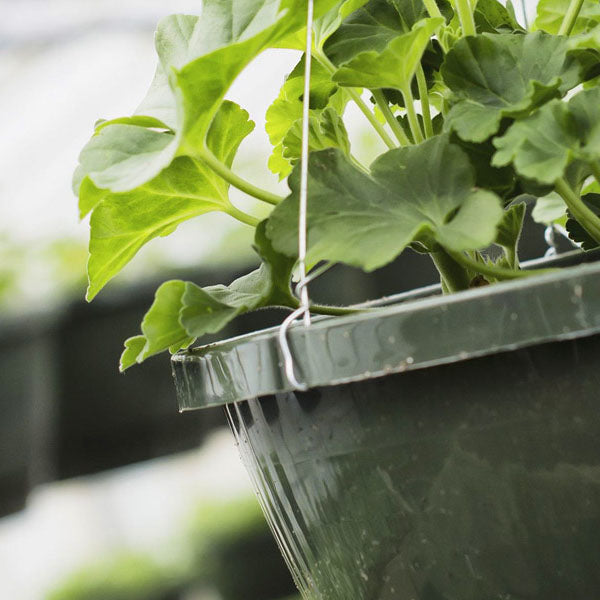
{"type": "Point", "coordinates": [447, 448]}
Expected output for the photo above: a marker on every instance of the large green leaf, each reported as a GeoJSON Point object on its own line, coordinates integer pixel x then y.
{"type": "Point", "coordinates": [285, 113]}
{"type": "Point", "coordinates": [415, 193]}
{"type": "Point", "coordinates": [326, 25]}
{"type": "Point", "coordinates": [545, 143]}
{"type": "Point", "coordinates": [393, 67]}
{"type": "Point", "coordinates": [200, 57]}
{"type": "Point", "coordinates": [122, 222]}
{"type": "Point", "coordinates": [183, 311]}
{"type": "Point", "coordinates": [371, 27]}
{"type": "Point", "coordinates": [500, 75]}
{"type": "Point", "coordinates": [550, 15]}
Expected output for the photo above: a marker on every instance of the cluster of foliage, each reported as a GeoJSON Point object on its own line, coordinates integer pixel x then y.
{"type": "Point", "coordinates": [477, 111]}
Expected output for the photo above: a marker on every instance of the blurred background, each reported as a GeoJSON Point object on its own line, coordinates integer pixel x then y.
{"type": "Point", "coordinates": [106, 491]}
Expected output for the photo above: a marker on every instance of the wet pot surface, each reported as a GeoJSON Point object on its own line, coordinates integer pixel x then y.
{"type": "Point", "coordinates": [478, 480]}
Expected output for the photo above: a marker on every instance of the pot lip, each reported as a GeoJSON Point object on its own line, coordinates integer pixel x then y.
{"type": "Point", "coordinates": [397, 338]}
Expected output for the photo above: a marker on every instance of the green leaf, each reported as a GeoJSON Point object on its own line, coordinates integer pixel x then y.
{"type": "Point", "coordinates": [134, 347]}
{"type": "Point", "coordinates": [136, 120]}
{"type": "Point", "coordinates": [576, 232]}
{"type": "Point", "coordinates": [550, 209]}
{"type": "Point", "coordinates": [160, 326]}
{"type": "Point", "coordinates": [325, 131]}
{"type": "Point", "coordinates": [509, 232]}
{"type": "Point", "coordinates": [393, 67]}
{"type": "Point", "coordinates": [286, 111]}
{"type": "Point", "coordinates": [413, 194]}
{"type": "Point", "coordinates": [370, 28]}
{"type": "Point", "coordinates": [122, 222]}
{"type": "Point", "coordinates": [183, 311]}
{"type": "Point", "coordinates": [500, 75]}
{"type": "Point", "coordinates": [328, 24]}
{"type": "Point", "coordinates": [200, 57]}
{"type": "Point", "coordinates": [544, 144]}
{"type": "Point", "coordinates": [492, 17]}
{"type": "Point", "coordinates": [550, 15]}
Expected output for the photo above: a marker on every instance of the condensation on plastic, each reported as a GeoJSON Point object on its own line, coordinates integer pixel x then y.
{"type": "Point", "coordinates": [478, 480]}
{"type": "Point", "coordinates": [410, 335]}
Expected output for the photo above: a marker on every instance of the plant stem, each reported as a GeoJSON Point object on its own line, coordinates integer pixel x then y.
{"type": "Point", "coordinates": [243, 217]}
{"type": "Point", "coordinates": [206, 156]}
{"type": "Point", "coordinates": [492, 270]}
{"type": "Point", "coordinates": [432, 8]}
{"type": "Point", "coordinates": [413, 120]}
{"type": "Point", "coordinates": [359, 165]}
{"type": "Point", "coordinates": [454, 276]}
{"type": "Point", "coordinates": [323, 309]}
{"type": "Point", "coordinates": [424, 97]}
{"type": "Point", "coordinates": [355, 95]}
{"type": "Point", "coordinates": [570, 17]}
{"type": "Point", "coordinates": [465, 15]}
{"type": "Point", "coordinates": [586, 218]}
{"type": "Point", "coordinates": [390, 118]}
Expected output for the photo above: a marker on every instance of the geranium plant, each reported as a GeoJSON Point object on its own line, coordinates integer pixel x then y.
{"type": "Point", "coordinates": [476, 109]}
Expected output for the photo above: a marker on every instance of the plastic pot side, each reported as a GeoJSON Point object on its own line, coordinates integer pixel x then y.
{"type": "Point", "coordinates": [471, 471]}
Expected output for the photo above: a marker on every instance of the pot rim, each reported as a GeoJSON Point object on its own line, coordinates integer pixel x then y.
{"type": "Point", "coordinates": [393, 339]}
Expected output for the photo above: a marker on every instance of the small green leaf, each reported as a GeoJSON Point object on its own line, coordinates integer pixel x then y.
{"type": "Point", "coordinates": [413, 194]}
{"type": "Point", "coordinates": [161, 327]}
{"type": "Point", "coordinates": [509, 232]}
{"type": "Point", "coordinates": [500, 75]}
{"type": "Point", "coordinates": [136, 120]}
{"type": "Point", "coordinates": [393, 67]}
{"type": "Point", "coordinates": [183, 311]}
{"type": "Point", "coordinates": [327, 24]}
{"type": "Point", "coordinates": [550, 15]}
{"type": "Point", "coordinates": [134, 347]}
{"type": "Point", "coordinates": [286, 111]}
{"type": "Point", "coordinates": [550, 209]}
{"type": "Point", "coordinates": [123, 222]}
{"type": "Point", "coordinates": [492, 17]}
{"type": "Point", "coordinates": [325, 131]}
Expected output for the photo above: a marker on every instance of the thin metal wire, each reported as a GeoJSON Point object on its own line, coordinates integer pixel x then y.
{"type": "Point", "coordinates": [303, 204]}
{"type": "Point", "coordinates": [302, 287]}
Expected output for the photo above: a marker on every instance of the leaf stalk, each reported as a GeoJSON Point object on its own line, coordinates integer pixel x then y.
{"type": "Point", "coordinates": [413, 120]}
{"type": "Point", "coordinates": [570, 17]}
{"type": "Point", "coordinates": [586, 217]}
{"type": "Point", "coordinates": [206, 156]}
{"type": "Point", "coordinates": [465, 15]}
{"type": "Point", "coordinates": [494, 271]}
{"type": "Point", "coordinates": [454, 276]}
{"type": "Point", "coordinates": [424, 97]}
{"type": "Point", "coordinates": [390, 118]}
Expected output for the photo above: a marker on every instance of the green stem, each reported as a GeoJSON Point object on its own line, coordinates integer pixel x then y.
{"type": "Point", "coordinates": [355, 95]}
{"type": "Point", "coordinates": [586, 218]}
{"type": "Point", "coordinates": [323, 309]}
{"type": "Point", "coordinates": [492, 270]}
{"type": "Point", "coordinates": [465, 14]}
{"type": "Point", "coordinates": [432, 8]}
{"type": "Point", "coordinates": [390, 118]}
{"type": "Point", "coordinates": [236, 213]}
{"type": "Point", "coordinates": [570, 17]}
{"type": "Point", "coordinates": [454, 276]}
{"type": "Point", "coordinates": [424, 97]}
{"type": "Point", "coordinates": [206, 156]}
{"type": "Point", "coordinates": [413, 120]}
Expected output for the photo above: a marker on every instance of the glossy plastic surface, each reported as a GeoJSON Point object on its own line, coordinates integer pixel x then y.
{"type": "Point", "coordinates": [478, 480]}
{"type": "Point", "coordinates": [413, 334]}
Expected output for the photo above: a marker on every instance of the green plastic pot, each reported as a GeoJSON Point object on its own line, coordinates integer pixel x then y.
{"type": "Point", "coordinates": [448, 447]}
